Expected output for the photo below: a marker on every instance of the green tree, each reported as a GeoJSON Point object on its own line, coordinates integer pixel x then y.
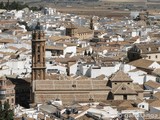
{"type": "Point", "coordinates": [1, 5]}
{"type": "Point", "coordinates": [6, 112]}
{"type": "Point", "coordinates": [85, 52]}
{"type": "Point", "coordinates": [89, 53]}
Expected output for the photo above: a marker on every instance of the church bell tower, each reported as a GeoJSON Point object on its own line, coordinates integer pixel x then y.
{"type": "Point", "coordinates": [38, 54]}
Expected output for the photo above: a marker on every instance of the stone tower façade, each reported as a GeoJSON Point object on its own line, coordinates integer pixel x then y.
{"type": "Point", "coordinates": [38, 55]}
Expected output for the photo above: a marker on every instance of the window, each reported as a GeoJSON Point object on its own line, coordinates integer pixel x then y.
{"type": "Point", "coordinates": [115, 83]}
{"type": "Point", "coordinates": [156, 56]}
{"type": "Point", "coordinates": [123, 88]}
{"type": "Point", "coordinates": [142, 106]}
{"type": "Point", "coordinates": [38, 48]}
{"type": "Point", "coordinates": [50, 62]}
{"type": "Point", "coordinates": [149, 57]}
{"type": "Point", "coordinates": [73, 85]}
{"type": "Point", "coordinates": [38, 60]}
{"type": "Point", "coordinates": [125, 97]}
{"type": "Point", "coordinates": [57, 99]}
{"type": "Point", "coordinates": [90, 99]}
{"type": "Point", "coordinates": [128, 83]}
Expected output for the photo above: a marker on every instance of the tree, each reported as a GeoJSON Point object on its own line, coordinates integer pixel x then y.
{"type": "Point", "coordinates": [5, 112]}
{"type": "Point", "coordinates": [1, 5]}
{"type": "Point", "coordinates": [85, 52]}
{"type": "Point", "coordinates": [89, 53]}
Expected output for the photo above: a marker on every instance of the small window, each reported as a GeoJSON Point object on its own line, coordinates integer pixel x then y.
{"type": "Point", "coordinates": [90, 99]}
{"type": "Point", "coordinates": [156, 56]}
{"type": "Point", "coordinates": [142, 106]}
{"type": "Point", "coordinates": [115, 83]}
{"type": "Point", "coordinates": [123, 88]}
{"type": "Point", "coordinates": [149, 57]}
{"type": "Point", "coordinates": [57, 99]}
{"type": "Point", "coordinates": [128, 83]}
{"type": "Point", "coordinates": [38, 60]}
{"type": "Point", "coordinates": [38, 48]}
{"type": "Point", "coordinates": [73, 86]}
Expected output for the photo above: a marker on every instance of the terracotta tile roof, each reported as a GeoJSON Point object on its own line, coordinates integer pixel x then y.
{"type": "Point", "coordinates": [73, 85]}
{"type": "Point", "coordinates": [81, 30]}
{"type": "Point", "coordinates": [8, 21]}
{"type": "Point", "coordinates": [155, 103]}
{"type": "Point", "coordinates": [137, 87]}
{"type": "Point", "coordinates": [71, 25]}
{"type": "Point", "coordinates": [100, 77]}
{"type": "Point", "coordinates": [154, 48]}
{"type": "Point", "coordinates": [68, 43]}
{"type": "Point", "coordinates": [142, 63]}
{"type": "Point", "coordinates": [126, 104]}
{"type": "Point", "coordinates": [22, 49]}
{"type": "Point", "coordinates": [58, 38]}
{"type": "Point", "coordinates": [26, 118]}
{"type": "Point", "coordinates": [123, 89]}
{"type": "Point", "coordinates": [85, 117]}
{"type": "Point", "coordinates": [120, 76]}
{"type": "Point", "coordinates": [152, 84]}
{"type": "Point", "coordinates": [55, 76]}
{"type": "Point", "coordinates": [65, 60]}
{"type": "Point", "coordinates": [156, 71]}
{"type": "Point", "coordinates": [27, 42]}
{"type": "Point", "coordinates": [54, 48]}
{"type": "Point", "coordinates": [157, 95]}
{"type": "Point", "coordinates": [13, 48]}
{"type": "Point", "coordinates": [6, 40]}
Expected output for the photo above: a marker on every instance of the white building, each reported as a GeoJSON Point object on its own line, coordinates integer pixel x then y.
{"type": "Point", "coordinates": [91, 70]}
{"type": "Point", "coordinates": [144, 105]}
